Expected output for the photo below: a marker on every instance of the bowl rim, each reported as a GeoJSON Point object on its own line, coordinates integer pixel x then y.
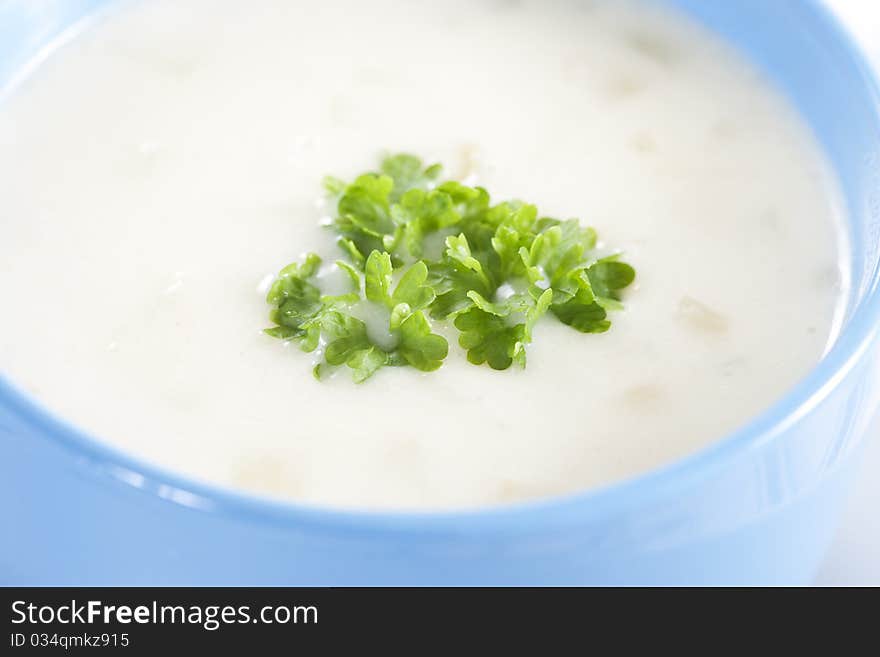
{"type": "Point", "coordinates": [850, 347]}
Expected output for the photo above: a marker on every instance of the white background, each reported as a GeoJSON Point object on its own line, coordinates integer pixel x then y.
{"type": "Point", "coordinates": [854, 558]}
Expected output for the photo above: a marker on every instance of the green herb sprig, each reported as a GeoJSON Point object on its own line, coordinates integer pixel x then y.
{"type": "Point", "coordinates": [503, 268]}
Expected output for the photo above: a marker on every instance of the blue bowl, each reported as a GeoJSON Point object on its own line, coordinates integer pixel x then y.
{"type": "Point", "coordinates": [758, 507]}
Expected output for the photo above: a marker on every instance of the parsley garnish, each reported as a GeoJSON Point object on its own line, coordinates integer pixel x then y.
{"type": "Point", "coordinates": [503, 268]}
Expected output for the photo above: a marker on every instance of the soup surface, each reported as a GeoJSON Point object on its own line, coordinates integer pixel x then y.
{"type": "Point", "coordinates": [159, 168]}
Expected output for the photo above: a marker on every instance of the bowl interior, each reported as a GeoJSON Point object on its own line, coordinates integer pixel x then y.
{"type": "Point", "coordinates": [798, 44]}
{"type": "Point", "coordinates": [803, 49]}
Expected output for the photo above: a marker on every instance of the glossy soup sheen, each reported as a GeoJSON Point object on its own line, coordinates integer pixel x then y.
{"type": "Point", "coordinates": [162, 166]}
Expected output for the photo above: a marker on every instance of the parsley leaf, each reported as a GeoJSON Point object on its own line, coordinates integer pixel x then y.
{"type": "Point", "coordinates": [407, 173]}
{"type": "Point", "coordinates": [453, 277]}
{"type": "Point", "coordinates": [503, 269]}
{"type": "Point", "coordinates": [418, 346]}
{"type": "Point", "coordinates": [488, 338]}
{"type": "Point", "coordinates": [491, 336]}
{"type": "Point", "coordinates": [556, 253]}
{"type": "Point", "coordinates": [420, 213]}
{"type": "Point", "coordinates": [297, 300]}
{"type": "Point", "coordinates": [412, 288]}
{"type": "Point", "coordinates": [608, 277]}
{"type": "Point", "coordinates": [377, 277]}
{"type": "Point", "coordinates": [365, 213]}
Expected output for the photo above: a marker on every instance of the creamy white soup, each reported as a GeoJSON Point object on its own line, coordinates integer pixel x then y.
{"type": "Point", "coordinates": [158, 169]}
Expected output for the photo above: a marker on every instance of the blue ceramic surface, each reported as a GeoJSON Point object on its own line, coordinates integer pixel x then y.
{"type": "Point", "coordinates": [758, 507]}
